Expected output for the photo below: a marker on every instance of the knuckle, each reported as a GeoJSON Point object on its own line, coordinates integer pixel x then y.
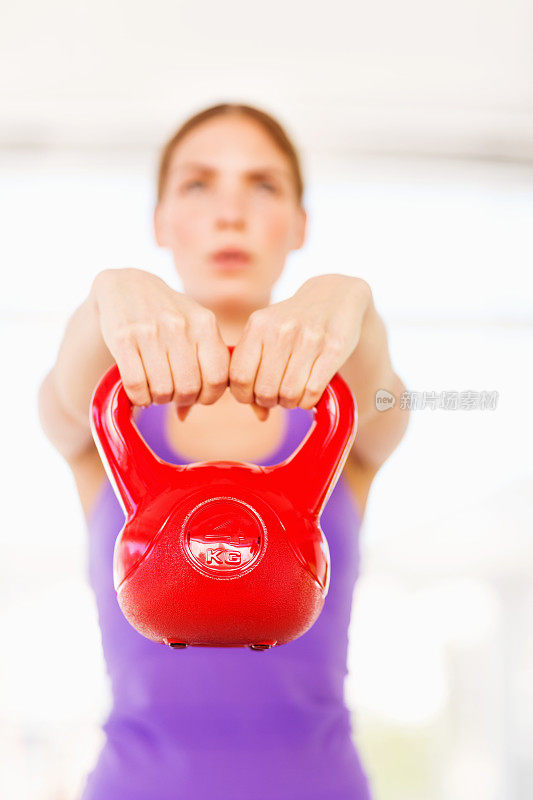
{"type": "Point", "coordinates": [206, 321]}
{"type": "Point", "coordinates": [174, 324]}
{"type": "Point", "coordinates": [215, 382]}
{"type": "Point", "coordinates": [209, 399]}
{"type": "Point", "coordinates": [137, 392]}
{"type": "Point", "coordinates": [161, 392]}
{"type": "Point", "coordinates": [209, 317]}
{"type": "Point", "coordinates": [333, 344]}
{"type": "Point", "coordinates": [239, 378]}
{"type": "Point", "coordinates": [139, 399]}
{"type": "Point", "coordinates": [188, 388]}
{"type": "Point", "coordinates": [313, 391]}
{"type": "Point", "coordinates": [308, 402]}
{"type": "Point", "coordinates": [289, 396]}
{"type": "Point", "coordinates": [256, 318]}
{"type": "Point", "coordinates": [146, 330]}
{"type": "Point", "coordinates": [184, 398]}
{"type": "Point", "coordinates": [287, 328]}
{"type": "Point", "coordinates": [134, 386]}
{"type": "Point", "coordinates": [208, 396]}
{"type": "Point", "coordinates": [124, 336]}
{"type": "Point", "coordinates": [265, 393]}
{"type": "Point", "coordinates": [269, 402]}
{"type": "Point", "coordinates": [312, 335]}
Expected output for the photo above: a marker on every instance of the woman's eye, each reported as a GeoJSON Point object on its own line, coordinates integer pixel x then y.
{"type": "Point", "coordinates": [192, 184]}
{"type": "Point", "coordinates": [199, 183]}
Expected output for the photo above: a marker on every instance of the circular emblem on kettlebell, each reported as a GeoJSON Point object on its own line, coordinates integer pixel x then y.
{"type": "Point", "coordinates": [223, 537]}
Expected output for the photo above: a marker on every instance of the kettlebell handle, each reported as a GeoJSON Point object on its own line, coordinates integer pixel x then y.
{"type": "Point", "coordinates": [136, 472]}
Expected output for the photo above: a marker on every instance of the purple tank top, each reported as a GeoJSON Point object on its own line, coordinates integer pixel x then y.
{"type": "Point", "coordinates": [227, 723]}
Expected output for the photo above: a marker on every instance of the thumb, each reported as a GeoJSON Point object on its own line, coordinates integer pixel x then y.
{"type": "Point", "coordinates": [261, 412]}
{"type": "Point", "coordinates": [183, 411]}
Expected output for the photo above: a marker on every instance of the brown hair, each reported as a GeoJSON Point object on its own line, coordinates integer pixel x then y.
{"type": "Point", "coordinates": [269, 124]}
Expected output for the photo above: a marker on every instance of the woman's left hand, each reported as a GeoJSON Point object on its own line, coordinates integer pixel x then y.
{"type": "Point", "coordinates": [289, 351]}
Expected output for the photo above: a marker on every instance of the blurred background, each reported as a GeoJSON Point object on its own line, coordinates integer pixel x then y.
{"type": "Point", "coordinates": [415, 126]}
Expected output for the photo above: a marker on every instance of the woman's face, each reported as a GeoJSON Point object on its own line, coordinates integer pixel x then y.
{"type": "Point", "coordinates": [229, 188]}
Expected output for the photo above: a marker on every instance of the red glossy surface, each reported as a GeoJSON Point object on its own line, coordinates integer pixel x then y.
{"type": "Point", "coordinates": [222, 553]}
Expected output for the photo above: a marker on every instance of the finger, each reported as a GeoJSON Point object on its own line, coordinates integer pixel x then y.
{"type": "Point", "coordinates": [294, 389]}
{"type": "Point", "coordinates": [274, 359]}
{"type": "Point", "coordinates": [133, 376]}
{"type": "Point", "coordinates": [182, 412]}
{"type": "Point", "coordinates": [321, 372]}
{"type": "Point", "coordinates": [243, 367]}
{"type": "Point", "coordinates": [156, 367]}
{"type": "Point", "coordinates": [213, 358]}
{"type": "Point", "coordinates": [262, 414]}
{"type": "Point", "coordinates": [183, 361]}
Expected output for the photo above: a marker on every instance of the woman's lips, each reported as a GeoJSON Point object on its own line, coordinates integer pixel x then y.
{"type": "Point", "coordinates": [231, 259]}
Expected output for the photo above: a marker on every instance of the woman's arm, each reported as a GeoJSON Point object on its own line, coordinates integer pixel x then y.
{"type": "Point", "coordinates": [65, 393]}
{"type": "Point", "coordinates": [366, 370]}
{"type": "Point", "coordinates": [289, 351]}
{"type": "Point", "coordinates": [166, 345]}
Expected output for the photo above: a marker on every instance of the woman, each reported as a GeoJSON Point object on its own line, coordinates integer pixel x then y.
{"type": "Point", "coordinates": [226, 724]}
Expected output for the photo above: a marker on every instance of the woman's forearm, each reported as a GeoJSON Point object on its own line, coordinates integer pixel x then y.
{"type": "Point", "coordinates": [82, 359]}
{"type": "Point", "coordinates": [369, 366]}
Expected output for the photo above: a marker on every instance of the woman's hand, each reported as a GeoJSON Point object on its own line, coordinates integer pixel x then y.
{"type": "Point", "coordinates": [167, 346]}
{"type": "Point", "coordinates": [289, 351]}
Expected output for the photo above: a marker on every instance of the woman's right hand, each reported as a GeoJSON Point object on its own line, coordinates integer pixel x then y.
{"type": "Point", "coordinates": [167, 346]}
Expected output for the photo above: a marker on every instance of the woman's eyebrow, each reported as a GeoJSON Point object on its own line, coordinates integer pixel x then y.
{"type": "Point", "coordinates": [254, 173]}
{"type": "Point", "coordinates": [192, 165]}
{"type": "Point", "coordinates": [267, 171]}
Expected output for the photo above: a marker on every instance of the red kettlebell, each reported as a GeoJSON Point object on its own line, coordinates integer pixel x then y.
{"type": "Point", "coordinates": [221, 553]}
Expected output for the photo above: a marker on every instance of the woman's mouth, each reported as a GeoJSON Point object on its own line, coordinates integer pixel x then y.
{"type": "Point", "coordinates": [231, 259]}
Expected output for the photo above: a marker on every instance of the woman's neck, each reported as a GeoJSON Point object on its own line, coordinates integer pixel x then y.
{"type": "Point", "coordinates": [231, 323]}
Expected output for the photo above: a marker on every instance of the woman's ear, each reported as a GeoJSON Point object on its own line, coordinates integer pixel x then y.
{"type": "Point", "coordinates": [300, 228]}
{"type": "Point", "coordinates": [159, 226]}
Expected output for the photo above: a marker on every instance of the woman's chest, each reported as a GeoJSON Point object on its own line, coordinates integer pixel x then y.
{"type": "Point", "coordinates": [211, 434]}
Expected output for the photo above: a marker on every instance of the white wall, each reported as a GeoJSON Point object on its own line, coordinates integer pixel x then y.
{"type": "Point", "coordinates": [415, 76]}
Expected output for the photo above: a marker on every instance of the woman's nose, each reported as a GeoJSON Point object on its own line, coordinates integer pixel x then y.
{"type": "Point", "coordinates": [230, 210]}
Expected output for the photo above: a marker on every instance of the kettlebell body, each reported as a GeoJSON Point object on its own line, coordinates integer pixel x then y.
{"type": "Point", "coordinates": [221, 553]}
